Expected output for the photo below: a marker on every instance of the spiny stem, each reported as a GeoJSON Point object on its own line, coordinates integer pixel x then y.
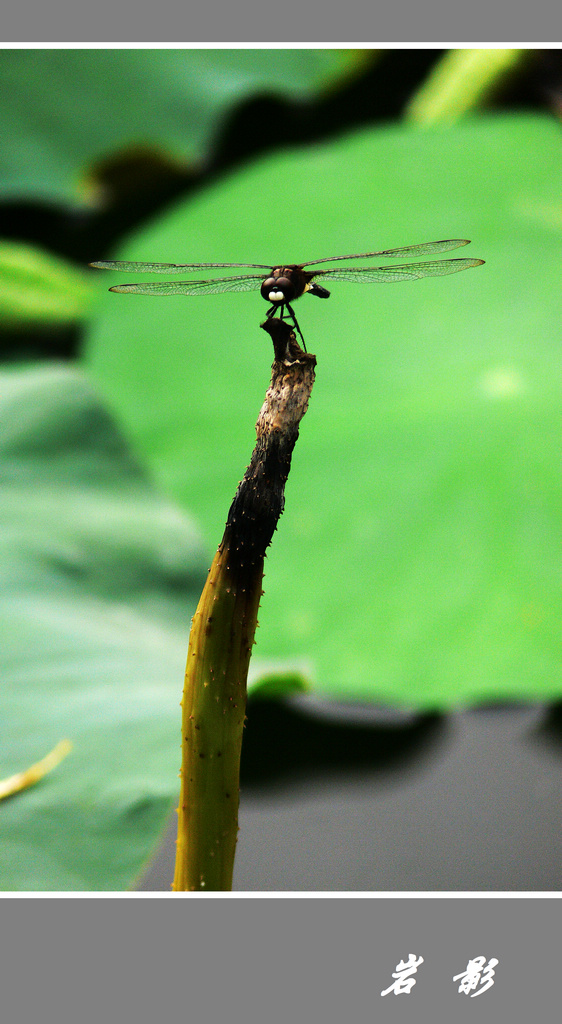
{"type": "Point", "coordinates": [223, 628]}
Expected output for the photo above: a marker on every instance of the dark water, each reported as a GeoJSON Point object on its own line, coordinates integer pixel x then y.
{"type": "Point", "coordinates": [347, 798]}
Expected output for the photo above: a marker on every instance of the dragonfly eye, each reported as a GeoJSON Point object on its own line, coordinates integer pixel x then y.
{"type": "Point", "coordinates": [268, 285]}
{"type": "Point", "coordinates": [286, 287]}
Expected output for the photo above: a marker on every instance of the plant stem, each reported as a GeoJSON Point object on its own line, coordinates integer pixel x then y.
{"type": "Point", "coordinates": [36, 771]}
{"type": "Point", "coordinates": [223, 628]}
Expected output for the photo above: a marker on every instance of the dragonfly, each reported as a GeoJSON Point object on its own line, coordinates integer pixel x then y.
{"type": "Point", "coordinates": [282, 284]}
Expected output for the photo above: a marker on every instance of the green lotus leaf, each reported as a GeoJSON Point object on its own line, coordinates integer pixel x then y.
{"type": "Point", "coordinates": [99, 576]}
{"type": "Point", "coordinates": [64, 112]}
{"type": "Point", "coordinates": [418, 559]}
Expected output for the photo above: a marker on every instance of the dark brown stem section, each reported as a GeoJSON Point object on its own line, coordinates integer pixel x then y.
{"type": "Point", "coordinates": [223, 629]}
{"type": "Point", "coordinates": [260, 498]}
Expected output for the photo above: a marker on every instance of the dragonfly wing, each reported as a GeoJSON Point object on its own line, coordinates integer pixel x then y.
{"type": "Point", "coordinates": [408, 272]}
{"type": "Point", "coordinates": [425, 249]}
{"type": "Point", "coordinates": [246, 283]}
{"type": "Point", "coordinates": [171, 268]}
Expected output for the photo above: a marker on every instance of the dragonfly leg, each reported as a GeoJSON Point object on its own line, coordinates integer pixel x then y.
{"type": "Point", "coordinates": [296, 324]}
{"type": "Point", "coordinates": [279, 309]}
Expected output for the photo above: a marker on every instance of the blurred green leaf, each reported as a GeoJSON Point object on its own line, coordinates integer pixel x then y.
{"type": "Point", "coordinates": [40, 290]}
{"type": "Point", "coordinates": [99, 576]}
{"type": "Point", "coordinates": [98, 579]}
{"type": "Point", "coordinates": [64, 111]}
{"type": "Point", "coordinates": [461, 81]}
{"type": "Point", "coordinates": [418, 559]}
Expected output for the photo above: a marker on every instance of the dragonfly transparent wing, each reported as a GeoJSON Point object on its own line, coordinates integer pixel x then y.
{"type": "Point", "coordinates": [408, 272]}
{"type": "Point", "coordinates": [171, 268]}
{"type": "Point", "coordinates": [425, 249]}
{"type": "Point", "coordinates": [246, 283]}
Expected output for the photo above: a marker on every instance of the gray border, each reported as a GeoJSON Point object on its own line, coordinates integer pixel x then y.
{"type": "Point", "coordinates": [276, 961]}
{"type": "Point", "coordinates": [433, 21]}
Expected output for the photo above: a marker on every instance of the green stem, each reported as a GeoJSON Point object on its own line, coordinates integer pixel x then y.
{"type": "Point", "coordinates": [213, 712]}
{"type": "Point", "coordinates": [223, 629]}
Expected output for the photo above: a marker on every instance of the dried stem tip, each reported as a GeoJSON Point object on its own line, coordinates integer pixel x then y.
{"type": "Point", "coordinates": [260, 497]}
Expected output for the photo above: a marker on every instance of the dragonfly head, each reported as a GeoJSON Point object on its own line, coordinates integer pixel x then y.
{"type": "Point", "coordinates": [280, 287]}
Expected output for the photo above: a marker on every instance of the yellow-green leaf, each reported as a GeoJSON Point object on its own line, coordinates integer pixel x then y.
{"type": "Point", "coordinates": [40, 290]}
